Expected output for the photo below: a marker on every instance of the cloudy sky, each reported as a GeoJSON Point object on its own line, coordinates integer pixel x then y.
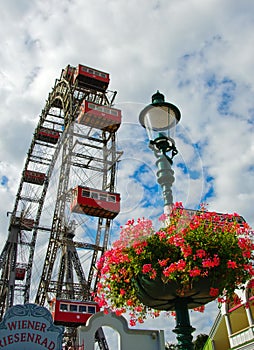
{"type": "Point", "coordinates": [199, 54]}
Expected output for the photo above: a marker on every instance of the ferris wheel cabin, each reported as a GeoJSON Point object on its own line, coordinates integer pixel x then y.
{"type": "Point", "coordinates": [48, 135]}
{"type": "Point", "coordinates": [34, 177]}
{"type": "Point", "coordinates": [91, 78]}
{"type": "Point", "coordinates": [20, 273]}
{"type": "Point", "coordinates": [95, 202]}
{"type": "Point", "coordinates": [72, 312]}
{"type": "Point", "coordinates": [99, 116]}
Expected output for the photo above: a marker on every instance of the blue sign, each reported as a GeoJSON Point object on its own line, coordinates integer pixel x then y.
{"type": "Point", "coordinates": [30, 327]}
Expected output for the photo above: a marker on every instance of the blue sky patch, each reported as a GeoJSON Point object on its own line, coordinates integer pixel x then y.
{"type": "Point", "coordinates": [211, 82]}
{"type": "Point", "coordinates": [228, 87]}
{"type": "Point", "coordinates": [210, 193]}
{"type": "Point", "coordinates": [193, 174]}
{"type": "Point", "coordinates": [4, 180]}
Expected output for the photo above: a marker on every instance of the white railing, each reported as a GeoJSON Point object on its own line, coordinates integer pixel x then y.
{"type": "Point", "coordinates": [242, 337]}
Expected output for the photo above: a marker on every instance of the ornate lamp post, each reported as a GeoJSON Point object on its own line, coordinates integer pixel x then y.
{"type": "Point", "coordinates": [159, 118]}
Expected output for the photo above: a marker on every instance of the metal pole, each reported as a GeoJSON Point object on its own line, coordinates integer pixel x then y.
{"type": "Point", "coordinates": [165, 177]}
{"type": "Point", "coordinates": [183, 327]}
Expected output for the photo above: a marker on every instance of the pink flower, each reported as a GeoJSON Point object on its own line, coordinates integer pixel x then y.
{"type": "Point", "coordinates": [200, 253]}
{"type": "Point", "coordinates": [177, 240]}
{"type": "Point", "coordinates": [176, 266]}
{"type": "Point", "coordinates": [200, 308]}
{"type": "Point", "coordinates": [163, 217]}
{"type": "Point", "coordinates": [195, 272]}
{"type": "Point", "coordinates": [119, 312]}
{"type": "Point", "coordinates": [186, 250]}
{"type": "Point", "coordinates": [156, 313]}
{"type": "Point", "coordinates": [247, 254]}
{"type": "Point", "coordinates": [216, 260]}
{"type": "Point", "coordinates": [132, 322]}
{"type": "Point", "coordinates": [214, 292]}
{"type": "Point", "coordinates": [207, 263]}
{"type": "Point", "coordinates": [181, 264]}
{"type": "Point", "coordinates": [163, 262]}
{"type": "Point", "coordinates": [249, 268]}
{"type": "Point", "coordinates": [139, 308]}
{"type": "Point", "coordinates": [153, 274]}
{"type": "Point", "coordinates": [147, 268]}
{"type": "Point", "coordinates": [161, 234]}
{"type": "Point", "coordinates": [211, 262]}
{"type": "Point", "coordinates": [231, 264]}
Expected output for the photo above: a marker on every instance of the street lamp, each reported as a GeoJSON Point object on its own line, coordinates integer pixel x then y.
{"type": "Point", "coordinates": [159, 119]}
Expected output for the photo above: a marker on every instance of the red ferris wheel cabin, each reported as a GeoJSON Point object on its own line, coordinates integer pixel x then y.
{"type": "Point", "coordinates": [48, 135]}
{"type": "Point", "coordinates": [95, 202]}
{"type": "Point", "coordinates": [99, 116]}
{"type": "Point", "coordinates": [20, 273]}
{"type": "Point", "coordinates": [91, 78]}
{"type": "Point", "coordinates": [72, 312]}
{"type": "Point", "coordinates": [34, 177]}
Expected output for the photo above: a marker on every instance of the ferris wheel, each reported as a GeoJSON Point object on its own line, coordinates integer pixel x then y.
{"type": "Point", "coordinates": [66, 200]}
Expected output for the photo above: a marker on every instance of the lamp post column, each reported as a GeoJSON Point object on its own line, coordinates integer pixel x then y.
{"type": "Point", "coordinates": [165, 178]}
{"type": "Point", "coordinates": [183, 327]}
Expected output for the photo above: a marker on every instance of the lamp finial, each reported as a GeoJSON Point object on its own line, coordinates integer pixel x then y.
{"type": "Point", "coordinates": [158, 97]}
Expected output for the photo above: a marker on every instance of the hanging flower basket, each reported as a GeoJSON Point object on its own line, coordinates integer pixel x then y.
{"type": "Point", "coordinates": [197, 256]}
{"type": "Point", "coordinates": [163, 296]}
